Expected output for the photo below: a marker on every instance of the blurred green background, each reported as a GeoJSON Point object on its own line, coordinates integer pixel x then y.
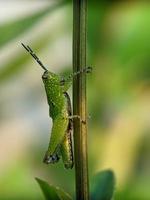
{"type": "Point", "coordinates": [118, 94]}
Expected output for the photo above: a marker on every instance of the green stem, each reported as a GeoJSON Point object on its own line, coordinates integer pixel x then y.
{"type": "Point", "coordinates": [79, 99]}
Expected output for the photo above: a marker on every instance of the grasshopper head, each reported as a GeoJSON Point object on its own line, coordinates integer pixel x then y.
{"type": "Point", "coordinates": [49, 77]}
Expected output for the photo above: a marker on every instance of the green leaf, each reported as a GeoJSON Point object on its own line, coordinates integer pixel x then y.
{"type": "Point", "coordinates": [103, 185]}
{"type": "Point", "coordinates": [13, 29]}
{"type": "Point", "coordinates": [51, 192]}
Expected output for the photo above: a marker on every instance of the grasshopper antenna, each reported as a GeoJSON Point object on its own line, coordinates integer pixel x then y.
{"type": "Point", "coordinates": [34, 56]}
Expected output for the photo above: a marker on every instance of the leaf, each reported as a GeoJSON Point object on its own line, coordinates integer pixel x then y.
{"type": "Point", "coordinates": [103, 185]}
{"type": "Point", "coordinates": [12, 29]}
{"type": "Point", "coordinates": [51, 192]}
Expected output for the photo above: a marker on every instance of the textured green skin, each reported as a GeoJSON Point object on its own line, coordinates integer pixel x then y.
{"type": "Point", "coordinates": [60, 139]}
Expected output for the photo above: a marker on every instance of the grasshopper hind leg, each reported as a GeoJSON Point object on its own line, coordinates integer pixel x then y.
{"type": "Point", "coordinates": [66, 146]}
{"type": "Point", "coordinates": [51, 158]}
{"type": "Point", "coordinates": [54, 158]}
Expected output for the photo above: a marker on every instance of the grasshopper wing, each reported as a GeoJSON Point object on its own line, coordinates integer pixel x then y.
{"type": "Point", "coordinates": [66, 146]}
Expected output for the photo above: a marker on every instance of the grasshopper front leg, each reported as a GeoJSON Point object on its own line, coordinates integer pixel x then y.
{"type": "Point", "coordinates": [67, 82]}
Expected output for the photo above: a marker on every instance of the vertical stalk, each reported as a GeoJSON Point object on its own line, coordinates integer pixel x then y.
{"type": "Point", "coordinates": [79, 99]}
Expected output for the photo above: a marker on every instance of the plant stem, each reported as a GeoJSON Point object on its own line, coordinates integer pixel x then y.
{"type": "Point", "coordinates": [79, 99]}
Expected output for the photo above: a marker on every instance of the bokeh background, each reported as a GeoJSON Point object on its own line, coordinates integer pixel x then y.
{"type": "Point", "coordinates": [118, 94]}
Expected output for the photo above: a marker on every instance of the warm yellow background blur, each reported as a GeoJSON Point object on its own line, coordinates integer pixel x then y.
{"type": "Point", "coordinates": [118, 94]}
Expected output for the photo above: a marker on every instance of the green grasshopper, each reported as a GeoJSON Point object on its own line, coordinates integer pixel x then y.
{"type": "Point", "coordinates": [60, 111]}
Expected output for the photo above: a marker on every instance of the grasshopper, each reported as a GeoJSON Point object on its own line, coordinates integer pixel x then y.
{"type": "Point", "coordinates": [60, 144]}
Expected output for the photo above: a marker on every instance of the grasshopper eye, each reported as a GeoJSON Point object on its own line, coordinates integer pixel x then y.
{"type": "Point", "coordinates": [45, 75]}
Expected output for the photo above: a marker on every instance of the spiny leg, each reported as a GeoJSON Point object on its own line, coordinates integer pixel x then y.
{"type": "Point", "coordinates": [84, 70]}
{"type": "Point", "coordinates": [77, 117]}
{"type": "Point", "coordinates": [66, 82]}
